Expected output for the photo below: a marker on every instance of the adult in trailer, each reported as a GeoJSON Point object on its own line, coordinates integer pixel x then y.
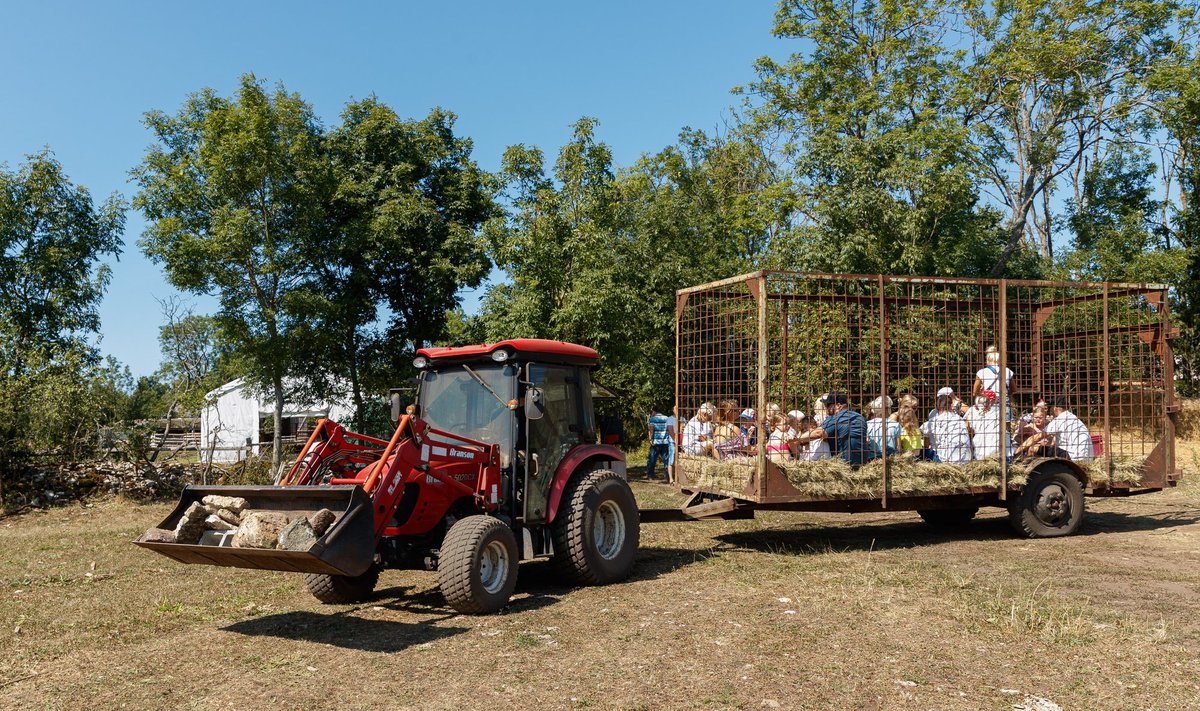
{"type": "Point", "coordinates": [845, 430]}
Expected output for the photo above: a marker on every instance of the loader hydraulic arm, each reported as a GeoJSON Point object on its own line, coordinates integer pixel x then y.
{"type": "Point", "coordinates": [415, 452]}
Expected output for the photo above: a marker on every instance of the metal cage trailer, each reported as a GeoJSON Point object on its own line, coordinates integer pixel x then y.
{"type": "Point", "coordinates": [826, 392]}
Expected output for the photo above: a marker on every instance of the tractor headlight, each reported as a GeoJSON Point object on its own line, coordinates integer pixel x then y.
{"type": "Point", "coordinates": [499, 355]}
{"type": "Point", "coordinates": [420, 362]}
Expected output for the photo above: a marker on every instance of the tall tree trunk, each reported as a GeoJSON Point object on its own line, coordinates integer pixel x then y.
{"type": "Point", "coordinates": [352, 352]}
{"type": "Point", "coordinates": [277, 439]}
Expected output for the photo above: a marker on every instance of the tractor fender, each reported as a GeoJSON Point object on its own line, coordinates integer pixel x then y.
{"type": "Point", "coordinates": [581, 456]}
{"type": "Point", "coordinates": [1035, 464]}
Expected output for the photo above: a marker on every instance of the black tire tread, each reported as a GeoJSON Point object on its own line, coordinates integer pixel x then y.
{"type": "Point", "coordinates": [1023, 521]}
{"type": "Point", "coordinates": [342, 589]}
{"type": "Point", "coordinates": [456, 565]}
{"type": "Point", "coordinates": [570, 546]}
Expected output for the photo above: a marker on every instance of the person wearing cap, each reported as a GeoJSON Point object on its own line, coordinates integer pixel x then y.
{"type": "Point", "coordinates": [883, 433]}
{"type": "Point", "coordinates": [660, 430]}
{"type": "Point", "coordinates": [957, 406]}
{"type": "Point", "coordinates": [795, 418]}
{"type": "Point", "coordinates": [947, 433]}
{"type": "Point", "coordinates": [845, 430]}
{"type": "Point", "coordinates": [749, 425]}
{"type": "Point", "coordinates": [1070, 434]}
{"type": "Point", "coordinates": [698, 432]}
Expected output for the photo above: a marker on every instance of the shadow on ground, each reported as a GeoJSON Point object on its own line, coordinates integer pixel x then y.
{"type": "Point", "coordinates": [910, 534]}
{"type": "Point", "coordinates": [344, 629]}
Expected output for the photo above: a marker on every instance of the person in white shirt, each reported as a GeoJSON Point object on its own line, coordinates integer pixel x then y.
{"type": "Point", "coordinates": [884, 433]}
{"type": "Point", "coordinates": [697, 433]}
{"type": "Point", "coordinates": [947, 433]}
{"type": "Point", "coordinates": [983, 419]}
{"type": "Point", "coordinates": [1070, 434]}
{"type": "Point", "coordinates": [816, 449]}
{"type": "Point", "coordinates": [988, 380]}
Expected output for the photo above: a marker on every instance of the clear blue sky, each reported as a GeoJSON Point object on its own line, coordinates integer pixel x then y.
{"type": "Point", "coordinates": [80, 75]}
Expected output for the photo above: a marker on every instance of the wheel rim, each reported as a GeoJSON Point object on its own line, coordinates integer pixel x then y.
{"type": "Point", "coordinates": [1053, 505]}
{"type": "Point", "coordinates": [608, 530]}
{"type": "Point", "coordinates": [493, 566]}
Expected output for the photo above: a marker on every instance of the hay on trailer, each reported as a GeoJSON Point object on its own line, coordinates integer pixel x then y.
{"type": "Point", "coordinates": [727, 476]}
{"type": "Point", "coordinates": [835, 478]}
{"type": "Point", "coordinates": [1125, 470]}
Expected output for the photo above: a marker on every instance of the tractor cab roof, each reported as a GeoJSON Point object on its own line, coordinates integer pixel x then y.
{"type": "Point", "coordinates": [538, 350]}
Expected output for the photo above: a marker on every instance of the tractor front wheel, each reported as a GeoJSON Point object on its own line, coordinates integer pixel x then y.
{"type": "Point", "coordinates": [342, 589]}
{"type": "Point", "coordinates": [477, 567]}
{"type": "Point", "coordinates": [597, 528]}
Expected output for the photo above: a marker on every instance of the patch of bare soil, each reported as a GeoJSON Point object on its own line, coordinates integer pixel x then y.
{"type": "Point", "coordinates": [785, 611]}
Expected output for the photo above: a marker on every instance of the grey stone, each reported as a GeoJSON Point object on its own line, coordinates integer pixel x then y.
{"type": "Point", "coordinates": [191, 524]}
{"type": "Point", "coordinates": [159, 535]}
{"type": "Point", "coordinates": [321, 521]}
{"type": "Point", "coordinates": [260, 529]}
{"type": "Point", "coordinates": [215, 523]}
{"type": "Point", "coordinates": [234, 503]}
{"type": "Point", "coordinates": [229, 516]}
{"type": "Point", "coordinates": [297, 536]}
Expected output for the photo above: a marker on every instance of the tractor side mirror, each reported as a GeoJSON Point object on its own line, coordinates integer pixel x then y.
{"type": "Point", "coordinates": [535, 403]}
{"type": "Point", "coordinates": [396, 408]}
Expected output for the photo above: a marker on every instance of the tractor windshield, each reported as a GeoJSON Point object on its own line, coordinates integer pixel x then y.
{"type": "Point", "coordinates": [470, 401]}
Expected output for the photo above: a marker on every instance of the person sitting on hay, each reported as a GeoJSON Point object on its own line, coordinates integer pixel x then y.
{"type": "Point", "coordinates": [957, 406]}
{"type": "Point", "coordinates": [913, 442]}
{"type": "Point", "coordinates": [728, 438]}
{"type": "Point", "coordinates": [777, 441]}
{"type": "Point", "coordinates": [818, 448]}
{"type": "Point", "coordinates": [1035, 440]}
{"type": "Point", "coordinates": [947, 432]}
{"type": "Point", "coordinates": [698, 432]}
{"type": "Point", "coordinates": [845, 430]}
{"type": "Point", "coordinates": [884, 434]}
{"type": "Point", "coordinates": [1070, 432]}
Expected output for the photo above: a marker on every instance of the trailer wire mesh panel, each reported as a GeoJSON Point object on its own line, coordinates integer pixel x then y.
{"type": "Point", "coordinates": [754, 349]}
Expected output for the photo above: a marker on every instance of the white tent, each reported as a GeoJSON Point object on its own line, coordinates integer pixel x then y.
{"type": "Point", "coordinates": [230, 420]}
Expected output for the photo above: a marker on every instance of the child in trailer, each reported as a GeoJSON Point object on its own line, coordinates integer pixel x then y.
{"type": "Point", "coordinates": [1035, 440]}
{"type": "Point", "coordinates": [884, 434]}
{"type": "Point", "coordinates": [777, 443]}
{"type": "Point", "coordinates": [728, 439]}
{"type": "Point", "coordinates": [988, 380]}
{"type": "Point", "coordinates": [912, 442]}
{"type": "Point", "coordinates": [947, 433]}
{"type": "Point", "coordinates": [816, 449]}
{"type": "Point", "coordinates": [987, 431]}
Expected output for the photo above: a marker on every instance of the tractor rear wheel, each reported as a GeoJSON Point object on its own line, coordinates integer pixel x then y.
{"type": "Point", "coordinates": [477, 567]}
{"type": "Point", "coordinates": [1050, 505]}
{"type": "Point", "coordinates": [597, 528]}
{"type": "Point", "coordinates": [342, 589]}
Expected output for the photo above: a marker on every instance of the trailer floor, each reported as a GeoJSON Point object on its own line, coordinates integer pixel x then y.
{"type": "Point", "coordinates": [874, 611]}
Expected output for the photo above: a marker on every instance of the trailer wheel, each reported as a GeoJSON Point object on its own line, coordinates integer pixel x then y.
{"type": "Point", "coordinates": [477, 568]}
{"type": "Point", "coordinates": [342, 589]}
{"type": "Point", "coordinates": [1050, 505]}
{"type": "Point", "coordinates": [948, 518]}
{"type": "Point", "coordinates": [596, 531]}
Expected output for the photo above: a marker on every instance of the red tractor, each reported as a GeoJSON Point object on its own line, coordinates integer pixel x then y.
{"type": "Point", "coordinates": [495, 463]}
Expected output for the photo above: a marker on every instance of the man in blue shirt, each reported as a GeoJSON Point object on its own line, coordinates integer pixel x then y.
{"type": "Point", "coordinates": [846, 431]}
{"type": "Point", "coordinates": [660, 430]}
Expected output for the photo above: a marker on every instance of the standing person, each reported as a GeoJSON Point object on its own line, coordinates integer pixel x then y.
{"type": "Point", "coordinates": [845, 430]}
{"type": "Point", "coordinates": [884, 434]}
{"type": "Point", "coordinates": [1070, 434]}
{"type": "Point", "coordinates": [660, 430]}
{"type": "Point", "coordinates": [947, 433]}
{"type": "Point", "coordinates": [698, 432]}
{"type": "Point", "coordinates": [983, 421]}
{"type": "Point", "coordinates": [988, 380]}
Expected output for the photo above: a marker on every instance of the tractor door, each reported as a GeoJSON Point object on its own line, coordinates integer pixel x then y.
{"type": "Point", "coordinates": [565, 422]}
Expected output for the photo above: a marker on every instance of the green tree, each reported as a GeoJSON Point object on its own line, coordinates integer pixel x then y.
{"type": "Point", "coordinates": [235, 191]}
{"type": "Point", "coordinates": [408, 206]}
{"type": "Point", "coordinates": [869, 127]}
{"type": "Point", "coordinates": [53, 239]}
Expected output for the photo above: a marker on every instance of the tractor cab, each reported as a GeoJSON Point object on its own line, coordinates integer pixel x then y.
{"type": "Point", "coordinates": [532, 398]}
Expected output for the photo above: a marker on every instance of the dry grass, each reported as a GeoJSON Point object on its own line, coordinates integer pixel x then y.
{"type": "Point", "coordinates": [804, 610]}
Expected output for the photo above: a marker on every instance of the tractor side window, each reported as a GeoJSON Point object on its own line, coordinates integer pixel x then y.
{"type": "Point", "coordinates": [552, 436]}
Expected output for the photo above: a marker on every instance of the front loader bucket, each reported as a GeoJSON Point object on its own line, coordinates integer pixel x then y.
{"type": "Point", "coordinates": [346, 548]}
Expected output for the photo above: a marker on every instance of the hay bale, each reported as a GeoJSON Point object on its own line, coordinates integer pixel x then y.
{"type": "Point", "coordinates": [835, 478]}
{"type": "Point", "coordinates": [728, 476]}
{"type": "Point", "coordinates": [1126, 470]}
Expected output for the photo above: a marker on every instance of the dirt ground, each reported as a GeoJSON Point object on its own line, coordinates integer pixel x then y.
{"type": "Point", "coordinates": [786, 611]}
